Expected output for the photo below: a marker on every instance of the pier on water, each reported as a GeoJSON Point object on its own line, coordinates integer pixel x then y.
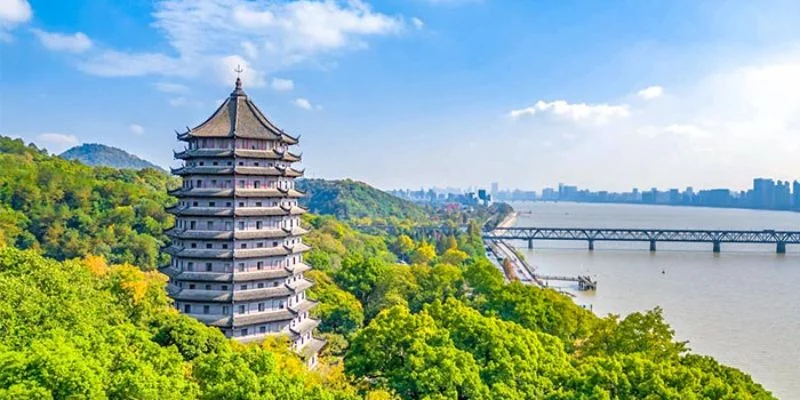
{"type": "Point", "coordinates": [780, 239]}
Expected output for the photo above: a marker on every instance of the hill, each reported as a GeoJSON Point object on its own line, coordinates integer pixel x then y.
{"type": "Point", "coordinates": [348, 199]}
{"type": "Point", "coordinates": [67, 209]}
{"type": "Point", "coordinates": [95, 154]}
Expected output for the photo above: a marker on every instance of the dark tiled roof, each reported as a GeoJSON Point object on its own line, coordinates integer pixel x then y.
{"type": "Point", "coordinates": [238, 117]}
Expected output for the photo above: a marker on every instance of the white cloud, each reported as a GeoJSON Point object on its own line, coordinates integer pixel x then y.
{"type": "Point", "coordinates": [13, 13]}
{"type": "Point", "coordinates": [303, 103]}
{"type": "Point", "coordinates": [181, 101]}
{"type": "Point", "coordinates": [168, 87]}
{"type": "Point", "coordinates": [417, 23]}
{"type": "Point", "coordinates": [279, 35]}
{"type": "Point", "coordinates": [113, 63]}
{"type": "Point", "coordinates": [73, 43]}
{"type": "Point", "coordinates": [687, 130]}
{"type": "Point", "coordinates": [595, 113]}
{"type": "Point", "coordinates": [282, 85]}
{"type": "Point", "coordinates": [652, 92]}
{"type": "Point", "coordinates": [56, 142]}
{"type": "Point", "coordinates": [136, 129]}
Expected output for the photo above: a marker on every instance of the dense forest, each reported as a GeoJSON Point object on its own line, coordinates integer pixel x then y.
{"type": "Point", "coordinates": [348, 199]}
{"type": "Point", "coordinates": [100, 155]}
{"type": "Point", "coordinates": [426, 317]}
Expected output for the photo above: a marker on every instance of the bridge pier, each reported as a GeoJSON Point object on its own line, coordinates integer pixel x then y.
{"type": "Point", "coordinates": [781, 247]}
{"type": "Point", "coordinates": [652, 245]}
{"type": "Point", "coordinates": [717, 247]}
{"type": "Point", "coordinates": [591, 245]}
{"type": "Point", "coordinates": [530, 244]}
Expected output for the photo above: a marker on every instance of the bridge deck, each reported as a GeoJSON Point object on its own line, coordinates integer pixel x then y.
{"type": "Point", "coordinates": [646, 235]}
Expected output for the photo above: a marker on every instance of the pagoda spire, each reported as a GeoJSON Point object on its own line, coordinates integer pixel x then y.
{"type": "Point", "coordinates": [238, 91]}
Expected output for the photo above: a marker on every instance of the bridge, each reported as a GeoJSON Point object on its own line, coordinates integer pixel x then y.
{"type": "Point", "coordinates": [591, 235]}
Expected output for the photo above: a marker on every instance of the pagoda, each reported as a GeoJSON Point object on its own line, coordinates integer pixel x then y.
{"type": "Point", "coordinates": [236, 247]}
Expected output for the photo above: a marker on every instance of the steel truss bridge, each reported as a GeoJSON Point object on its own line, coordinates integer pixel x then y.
{"type": "Point", "coordinates": [591, 235]}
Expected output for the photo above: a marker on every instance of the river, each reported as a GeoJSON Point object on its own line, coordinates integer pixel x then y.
{"type": "Point", "coordinates": [741, 306]}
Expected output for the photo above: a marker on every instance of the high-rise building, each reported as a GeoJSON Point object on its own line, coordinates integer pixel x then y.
{"type": "Point", "coordinates": [763, 193]}
{"type": "Point", "coordinates": [237, 253]}
{"type": "Point", "coordinates": [495, 188]}
{"type": "Point", "coordinates": [796, 194]}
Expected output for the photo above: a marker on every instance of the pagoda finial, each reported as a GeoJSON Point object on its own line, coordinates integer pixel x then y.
{"type": "Point", "coordinates": [238, 90]}
{"type": "Point", "coordinates": [238, 71]}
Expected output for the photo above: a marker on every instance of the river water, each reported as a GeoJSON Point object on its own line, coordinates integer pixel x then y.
{"type": "Point", "coordinates": [741, 306]}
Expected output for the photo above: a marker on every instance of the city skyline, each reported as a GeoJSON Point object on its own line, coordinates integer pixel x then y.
{"type": "Point", "coordinates": [683, 93]}
{"type": "Point", "coordinates": [764, 193]}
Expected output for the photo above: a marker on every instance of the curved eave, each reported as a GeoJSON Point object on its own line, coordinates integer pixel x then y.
{"type": "Point", "coordinates": [243, 153]}
{"type": "Point", "coordinates": [202, 211]}
{"type": "Point", "coordinates": [304, 327]}
{"type": "Point", "coordinates": [244, 235]}
{"type": "Point", "coordinates": [262, 317]}
{"type": "Point", "coordinates": [224, 170]}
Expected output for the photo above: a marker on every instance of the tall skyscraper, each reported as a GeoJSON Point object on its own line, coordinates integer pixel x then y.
{"type": "Point", "coordinates": [796, 195]}
{"type": "Point", "coordinates": [495, 189]}
{"type": "Point", "coordinates": [763, 193]}
{"type": "Point", "coordinates": [237, 253]}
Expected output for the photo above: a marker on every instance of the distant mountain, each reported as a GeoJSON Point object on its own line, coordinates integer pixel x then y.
{"type": "Point", "coordinates": [95, 154]}
{"type": "Point", "coordinates": [348, 199]}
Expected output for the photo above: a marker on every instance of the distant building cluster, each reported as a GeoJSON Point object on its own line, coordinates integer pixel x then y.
{"type": "Point", "coordinates": [766, 194]}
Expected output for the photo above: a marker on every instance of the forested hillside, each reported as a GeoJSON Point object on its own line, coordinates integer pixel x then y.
{"type": "Point", "coordinates": [425, 318]}
{"type": "Point", "coordinates": [100, 155]}
{"type": "Point", "coordinates": [348, 199]}
{"type": "Point", "coordinates": [67, 209]}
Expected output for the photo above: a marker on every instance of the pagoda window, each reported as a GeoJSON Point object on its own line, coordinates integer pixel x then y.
{"type": "Point", "coordinates": [241, 163]}
{"type": "Point", "coordinates": [230, 163]}
{"type": "Point", "coordinates": [208, 287]}
{"type": "Point", "coordinates": [244, 245]}
{"type": "Point", "coordinates": [241, 267]}
{"type": "Point", "coordinates": [261, 309]}
{"type": "Point", "coordinates": [213, 183]}
{"type": "Point", "coordinates": [275, 284]}
{"type": "Point", "coordinates": [202, 163]}
{"type": "Point", "coordinates": [241, 204]}
{"type": "Point", "coordinates": [224, 246]}
{"type": "Point", "coordinates": [241, 225]}
{"type": "Point", "coordinates": [194, 204]}
{"type": "Point", "coordinates": [241, 184]}
{"type": "Point", "coordinates": [228, 224]}
{"type": "Point", "coordinates": [191, 286]}
{"type": "Point", "coordinates": [258, 223]}
{"type": "Point", "coordinates": [243, 287]}
{"type": "Point", "coordinates": [241, 311]}
{"type": "Point", "coordinates": [262, 329]}
{"type": "Point", "coordinates": [215, 163]}
{"type": "Point", "coordinates": [260, 265]}
{"type": "Point", "coordinates": [260, 245]}
{"type": "Point", "coordinates": [244, 332]}
{"type": "Point", "coordinates": [210, 225]}
{"type": "Point", "coordinates": [192, 225]}
{"type": "Point", "coordinates": [194, 245]}
{"type": "Point", "coordinates": [206, 309]}
{"type": "Point", "coordinates": [258, 204]}
{"type": "Point", "coordinates": [228, 186]}
{"type": "Point", "coordinates": [187, 308]}
{"type": "Point", "coordinates": [209, 266]}
{"type": "Point", "coordinates": [255, 163]}
{"type": "Point", "coordinates": [190, 267]}
{"type": "Point", "coordinates": [257, 184]}
{"type": "Point", "coordinates": [228, 203]}
{"type": "Point", "coordinates": [212, 204]}
{"type": "Point", "coordinates": [204, 143]}
{"type": "Point", "coordinates": [224, 308]}
{"type": "Point", "coordinates": [260, 285]}
{"type": "Point", "coordinates": [208, 245]}
{"type": "Point", "coordinates": [199, 183]}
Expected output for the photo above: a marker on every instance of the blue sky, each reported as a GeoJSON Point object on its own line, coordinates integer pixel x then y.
{"type": "Point", "coordinates": [606, 95]}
